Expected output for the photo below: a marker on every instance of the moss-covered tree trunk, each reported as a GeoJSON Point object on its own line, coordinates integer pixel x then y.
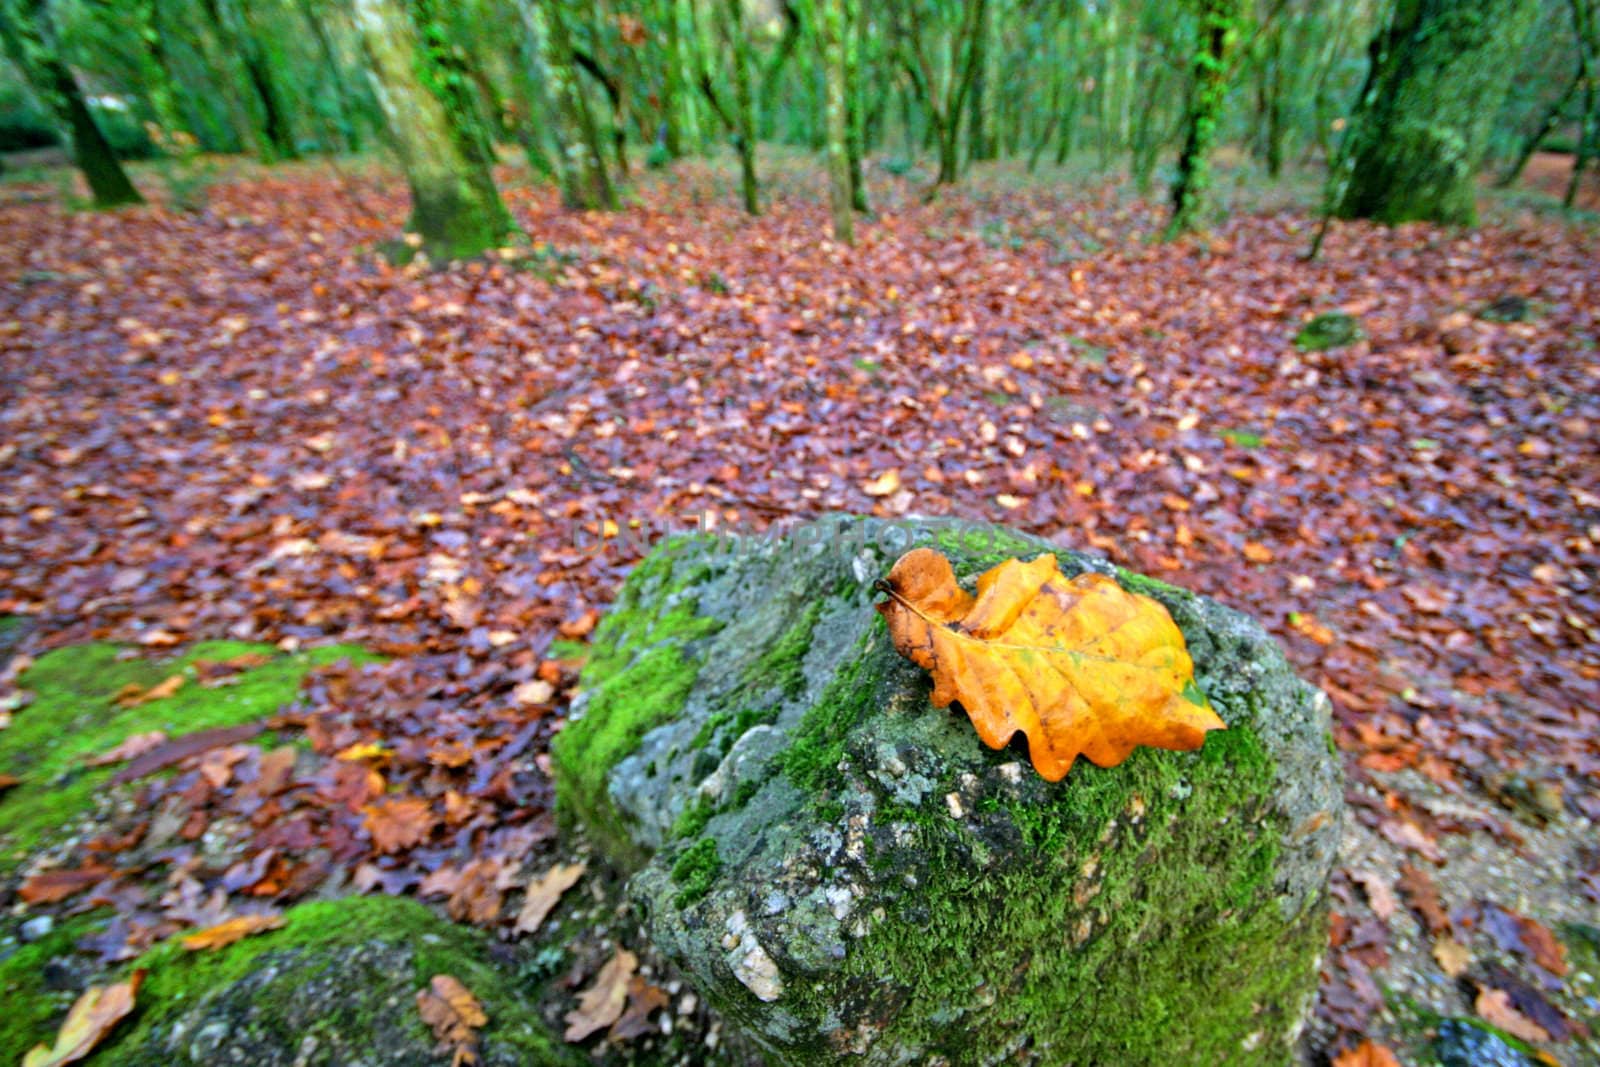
{"type": "Point", "coordinates": [455, 208]}
{"type": "Point", "coordinates": [744, 117]}
{"type": "Point", "coordinates": [29, 43]}
{"type": "Point", "coordinates": [1440, 70]}
{"type": "Point", "coordinates": [1219, 25]}
{"type": "Point", "coordinates": [831, 44]}
{"type": "Point", "coordinates": [856, 146]}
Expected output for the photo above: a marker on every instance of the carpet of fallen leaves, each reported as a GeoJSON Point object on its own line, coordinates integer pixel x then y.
{"type": "Point", "coordinates": [237, 423]}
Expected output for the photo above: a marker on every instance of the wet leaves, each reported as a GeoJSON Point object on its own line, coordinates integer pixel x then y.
{"type": "Point", "coordinates": [227, 932]}
{"type": "Point", "coordinates": [601, 1005]}
{"type": "Point", "coordinates": [455, 1017]}
{"type": "Point", "coordinates": [545, 892]}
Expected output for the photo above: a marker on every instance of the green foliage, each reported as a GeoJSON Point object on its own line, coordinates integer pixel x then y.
{"type": "Point", "coordinates": [695, 870]}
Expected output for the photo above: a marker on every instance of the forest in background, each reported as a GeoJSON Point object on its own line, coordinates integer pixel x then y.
{"type": "Point", "coordinates": [1402, 102]}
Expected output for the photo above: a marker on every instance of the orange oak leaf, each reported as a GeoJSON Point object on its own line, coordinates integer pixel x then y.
{"type": "Point", "coordinates": [399, 823]}
{"type": "Point", "coordinates": [226, 933]}
{"type": "Point", "coordinates": [545, 892]}
{"type": "Point", "coordinates": [1081, 667]}
{"type": "Point", "coordinates": [1366, 1054]}
{"type": "Point", "coordinates": [92, 1017]}
{"type": "Point", "coordinates": [454, 1015]}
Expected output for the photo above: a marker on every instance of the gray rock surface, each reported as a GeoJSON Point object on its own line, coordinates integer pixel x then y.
{"type": "Point", "coordinates": [845, 870]}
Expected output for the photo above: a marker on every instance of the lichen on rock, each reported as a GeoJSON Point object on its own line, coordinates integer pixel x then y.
{"type": "Point", "coordinates": [844, 869]}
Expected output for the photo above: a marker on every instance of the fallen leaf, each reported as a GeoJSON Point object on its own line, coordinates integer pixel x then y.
{"type": "Point", "coordinates": [1256, 552]}
{"type": "Point", "coordinates": [454, 1015]}
{"type": "Point", "coordinates": [1423, 896]}
{"type": "Point", "coordinates": [132, 697]}
{"type": "Point", "coordinates": [8, 781]}
{"type": "Point", "coordinates": [47, 887]}
{"type": "Point", "coordinates": [131, 748]}
{"type": "Point", "coordinates": [1454, 957]}
{"type": "Point", "coordinates": [181, 748]}
{"type": "Point", "coordinates": [1379, 895]}
{"type": "Point", "coordinates": [399, 822]}
{"type": "Point", "coordinates": [226, 933]}
{"type": "Point", "coordinates": [535, 692]}
{"type": "Point", "coordinates": [601, 1004]}
{"type": "Point", "coordinates": [644, 1000]}
{"type": "Point", "coordinates": [91, 1018]}
{"type": "Point", "coordinates": [1366, 1054]}
{"type": "Point", "coordinates": [1494, 1005]}
{"type": "Point", "coordinates": [1547, 951]}
{"type": "Point", "coordinates": [885, 484]}
{"type": "Point", "coordinates": [545, 892]}
{"type": "Point", "coordinates": [1079, 666]}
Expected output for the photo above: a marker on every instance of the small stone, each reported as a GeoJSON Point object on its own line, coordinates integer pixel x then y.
{"type": "Point", "coordinates": [953, 802]}
{"type": "Point", "coordinates": [37, 927]}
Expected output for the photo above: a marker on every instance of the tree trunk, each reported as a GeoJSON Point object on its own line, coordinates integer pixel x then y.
{"type": "Point", "coordinates": [1552, 118]}
{"type": "Point", "coordinates": [1440, 71]}
{"type": "Point", "coordinates": [1219, 21]}
{"type": "Point", "coordinates": [455, 208]}
{"type": "Point", "coordinates": [29, 43]}
{"type": "Point", "coordinates": [832, 45]}
{"type": "Point", "coordinates": [856, 143]}
{"type": "Point", "coordinates": [743, 104]}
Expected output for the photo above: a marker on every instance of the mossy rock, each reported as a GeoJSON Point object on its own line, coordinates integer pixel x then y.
{"type": "Point", "coordinates": [842, 868]}
{"type": "Point", "coordinates": [1332, 329]}
{"type": "Point", "coordinates": [336, 985]}
{"type": "Point", "coordinates": [74, 716]}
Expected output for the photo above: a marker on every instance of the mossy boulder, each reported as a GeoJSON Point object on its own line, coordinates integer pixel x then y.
{"type": "Point", "coordinates": [844, 869]}
{"type": "Point", "coordinates": [336, 985]}
{"type": "Point", "coordinates": [1332, 329]}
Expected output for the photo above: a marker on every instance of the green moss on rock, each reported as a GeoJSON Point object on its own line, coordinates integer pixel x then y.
{"type": "Point", "coordinates": [337, 984]}
{"type": "Point", "coordinates": [33, 983]}
{"type": "Point", "coordinates": [74, 717]}
{"type": "Point", "coordinates": [845, 870]}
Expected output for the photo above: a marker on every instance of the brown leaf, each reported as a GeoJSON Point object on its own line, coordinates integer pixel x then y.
{"type": "Point", "coordinates": [1079, 666]}
{"type": "Point", "coordinates": [1494, 1005]}
{"type": "Point", "coordinates": [1379, 896]}
{"type": "Point", "coordinates": [90, 1019]}
{"type": "Point", "coordinates": [1454, 957]}
{"type": "Point", "coordinates": [1423, 896]}
{"type": "Point", "coordinates": [131, 748]}
{"type": "Point", "coordinates": [181, 748]}
{"type": "Point", "coordinates": [226, 933]}
{"type": "Point", "coordinates": [47, 887]}
{"type": "Point", "coordinates": [132, 698]}
{"type": "Point", "coordinates": [454, 1015]}
{"type": "Point", "coordinates": [397, 823]}
{"type": "Point", "coordinates": [644, 1000]}
{"type": "Point", "coordinates": [545, 892]}
{"type": "Point", "coordinates": [476, 898]}
{"type": "Point", "coordinates": [1547, 951]}
{"type": "Point", "coordinates": [8, 781]}
{"type": "Point", "coordinates": [1366, 1054]}
{"type": "Point", "coordinates": [601, 1004]}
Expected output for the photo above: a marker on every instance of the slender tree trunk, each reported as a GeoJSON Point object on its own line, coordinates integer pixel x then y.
{"type": "Point", "coordinates": [29, 43]}
{"type": "Point", "coordinates": [1441, 69]}
{"type": "Point", "coordinates": [455, 208]}
{"type": "Point", "coordinates": [1552, 118]}
{"type": "Point", "coordinates": [832, 45]}
{"type": "Point", "coordinates": [1584, 15]}
{"type": "Point", "coordinates": [672, 86]}
{"type": "Point", "coordinates": [277, 141]}
{"type": "Point", "coordinates": [856, 144]}
{"type": "Point", "coordinates": [743, 105]}
{"type": "Point", "coordinates": [1218, 27]}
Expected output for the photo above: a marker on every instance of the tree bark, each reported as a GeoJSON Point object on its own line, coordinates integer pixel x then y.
{"type": "Point", "coordinates": [1218, 27]}
{"type": "Point", "coordinates": [831, 43]}
{"type": "Point", "coordinates": [1440, 71]}
{"type": "Point", "coordinates": [26, 35]}
{"type": "Point", "coordinates": [455, 208]}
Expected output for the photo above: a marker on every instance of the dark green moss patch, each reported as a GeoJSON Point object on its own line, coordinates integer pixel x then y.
{"type": "Point", "coordinates": [1331, 329]}
{"type": "Point", "coordinates": [74, 717]}
{"type": "Point", "coordinates": [695, 870]}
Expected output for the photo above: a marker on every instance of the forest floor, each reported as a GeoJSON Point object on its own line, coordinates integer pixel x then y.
{"type": "Point", "coordinates": [234, 424]}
